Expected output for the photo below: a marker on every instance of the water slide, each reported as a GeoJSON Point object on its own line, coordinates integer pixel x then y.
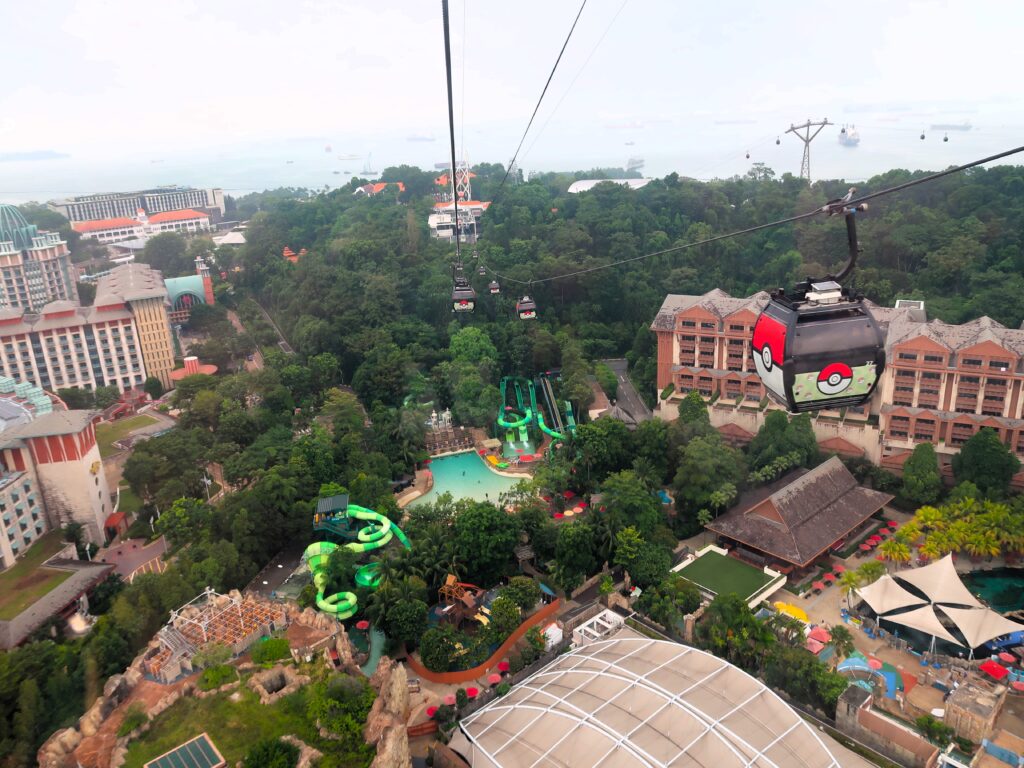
{"type": "Point", "coordinates": [377, 534]}
{"type": "Point", "coordinates": [515, 421]}
{"type": "Point", "coordinates": [558, 432]}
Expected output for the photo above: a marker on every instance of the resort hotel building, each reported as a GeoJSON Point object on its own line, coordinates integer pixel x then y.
{"type": "Point", "coordinates": [34, 266]}
{"type": "Point", "coordinates": [124, 228]}
{"type": "Point", "coordinates": [942, 382]}
{"type": "Point", "coordinates": [116, 205]}
{"type": "Point", "coordinates": [50, 470]}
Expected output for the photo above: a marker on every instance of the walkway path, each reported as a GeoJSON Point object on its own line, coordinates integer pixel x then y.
{"type": "Point", "coordinates": [628, 398]}
{"type": "Point", "coordinates": [257, 357]}
{"type": "Point", "coordinates": [283, 343]}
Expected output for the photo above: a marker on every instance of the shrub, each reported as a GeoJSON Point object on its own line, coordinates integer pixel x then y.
{"type": "Point", "coordinates": [215, 677]}
{"type": "Point", "coordinates": [607, 379]}
{"type": "Point", "coordinates": [269, 650]}
{"type": "Point", "coordinates": [272, 753]}
{"type": "Point", "coordinates": [667, 391]}
{"type": "Point", "coordinates": [516, 664]}
{"type": "Point", "coordinates": [503, 688]}
{"type": "Point", "coordinates": [437, 646]}
{"type": "Point", "coordinates": [523, 591]}
{"type": "Point", "coordinates": [133, 718]}
{"type": "Point", "coordinates": [211, 655]}
{"type": "Point", "coordinates": [461, 698]}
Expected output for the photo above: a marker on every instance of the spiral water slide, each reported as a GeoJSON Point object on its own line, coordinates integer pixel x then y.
{"type": "Point", "coordinates": [510, 419]}
{"type": "Point", "coordinates": [377, 534]}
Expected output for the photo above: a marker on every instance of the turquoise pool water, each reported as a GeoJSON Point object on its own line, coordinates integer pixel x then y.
{"type": "Point", "coordinates": [464, 476]}
{"type": "Point", "coordinates": [1002, 588]}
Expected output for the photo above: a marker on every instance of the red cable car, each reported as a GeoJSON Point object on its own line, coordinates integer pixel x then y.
{"type": "Point", "coordinates": [819, 346]}
{"type": "Point", "coordinates": [463, 295]}
{"type": "Point", "coordinates": [526, 308]}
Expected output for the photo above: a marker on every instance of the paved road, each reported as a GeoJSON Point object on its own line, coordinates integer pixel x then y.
{"type": "Point", "coordinates": [283, 343]}
{"type": "Point", "coordinates": [276, 572]}
{"type": "Point", "coordinates": [257, 357]}
{"type": "Point", "coordinates": [628, 397]}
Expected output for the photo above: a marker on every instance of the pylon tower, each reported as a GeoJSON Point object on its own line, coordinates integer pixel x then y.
{"type": "Point", "coordinates": [807, 137]}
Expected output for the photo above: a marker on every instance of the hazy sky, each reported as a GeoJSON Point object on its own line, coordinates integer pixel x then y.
{"type": "Point", "coordinates": [693, 85]}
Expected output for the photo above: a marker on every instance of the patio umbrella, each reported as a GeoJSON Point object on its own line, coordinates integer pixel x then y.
{"type": "Point", "coordinates": [1017, 685]}
{"type": "Point", "coordinates": [425, 462]}
{"type": "Point", "coordinates": [829, 577]}
{"type": "Point", "coordinates": [875, 663]}
{"type": "Point", "coordinates": [814, 646]}
{"type": "Point", "coordinates": [874, 537]}
{"type": "Point", "coordinates": [994, 669]}
{"type": "Point", "coordinates": [820, 634]}
{"type": "Point", "coordinates": [363, 625]}
{"type": "Point", "coordinates": [568, 494]}
{"type": "Point", "coordinates": [818, 585]}
{"type": "Point", "coordinates": [449, 700]}
{"type": "Point", "coordinates": [431, 711]}
{"type": "Point", "coordinates": [503, 666]}
{"type": "Point", "coordinates": [569, 513]}
{"type": "Point", "coordinates": [494, 678]}
{"type": "Point", "coordinates": [839, 568]}
{"type": "Point", "coordinates": [893, 524]}
{"type": "Point", "coordinates": [1009, 658]}
{"type": "Point", "coordinates": [880, 558]}
{"type": "Point", "coordinates": [559, 515]}
{"type": "Point", "coordinates": [884, 531]}
{"type": "Point", "coordinates": [472, 692]}
{"type": "Point", "coordinates": [865, 547]}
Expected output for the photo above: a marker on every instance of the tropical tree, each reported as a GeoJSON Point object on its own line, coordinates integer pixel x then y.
{"type": "Point", "coordinates": [870, 572]}
{"type": "Point", "coordinates": [922, 482]}
{"type": "Point", "coordinates": [895, 550]}
{"type": "Point", "coordinates": [986, 462]}
{"type": "Point", "coordinates": [849, 581]}
{"type": "Point", "coordinates": [704, 518]}
{"type": "Point", "coordinates": [842, 641]}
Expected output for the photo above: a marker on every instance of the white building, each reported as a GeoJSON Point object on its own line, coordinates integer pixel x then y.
{"type": "Point", "coordinates": [125, 204]}
{"type": "Point", "coordinates": [122, 229]}
{"type": "Point", "coordinates": [110, 230]}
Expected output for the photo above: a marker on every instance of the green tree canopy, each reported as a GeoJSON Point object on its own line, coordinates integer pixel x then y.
{"type": "Point", "coordinates": [922, 482]}
{"type": "Point", "coordinates": [986, 462]}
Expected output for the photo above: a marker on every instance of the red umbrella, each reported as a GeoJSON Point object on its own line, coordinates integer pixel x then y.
{"type": "Point", "coordinates": [472, 692]}
{"type": "Point", "coordinates": [893, 524]}
{"type": "Point", "coordinates": [559, 515]}
{"type": "Point", "coordinates": [865, 547]}
{"type": "Point", "coordinates": [818, 585]}
{"type": "Point", "coordinates": [494, 678]}
{"type": "Point", "coordinates": [839, 568]}
{"type": "Point", "coordinates": [1009, 658]}
{"type": "Point", "coordinates": [829, 577]}
{"type": "Point", "coordinates": [525, 457]}
{"type": "Point", "coordinates": [449, 700]}
{"type": "Point", "coordinates": [884, 531]}
{"type": "Point", "coordinates": [1018, 685]}
{"type": "Point", "coordinates": [995, 669]}
{"type": "Point", "coordinates": [820, 634]}
{"type": "Point", "coordinates": [875, 537]}
{"type": "Point", "coordinates": [568, 494]}
{"type": "Point", "coordinates": [503, 666]}
{"type": "Point", "coordinates": [875, 663]}
{"type": "Point", "coordinates": [425, 462]}
{"type": "Point", "coordinates": [363, 625]}
{"type": "Point", "coordinates": [431, 711]}
{"type": "Point", "coordinates": [880, 558]}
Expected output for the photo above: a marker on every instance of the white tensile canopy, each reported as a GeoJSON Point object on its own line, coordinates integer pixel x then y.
{"type": "Point", "coordinates": [941, 583]}
{"type": "Point", "coordinates": [945, 597]}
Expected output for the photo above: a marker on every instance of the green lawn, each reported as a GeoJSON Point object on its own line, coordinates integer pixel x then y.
{"type": "Point", "coordinates": [233, 726]}
{"type": "Point", "coordinates": [130, 503]}
{"type": "Point", "coordinates": [25, 582]}
{"type": "Point", "coordinates": [108, 434]}
{"type": "Point", "coordinates": [722, 574]}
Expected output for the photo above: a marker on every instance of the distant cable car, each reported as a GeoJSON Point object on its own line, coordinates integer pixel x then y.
{"type": "Point", "coordinates": [819, 346]}
{"type": "Point", "coordinates": [945, 137]}
{"type": "Point", "coordinates": [777, 141]}
{"type": "Point", "coordinates": [526, 308]}
{"type": "Point", "coordinates": [922, 135]}
{"type": "Point", "coordinates": [748, 155]}
{"type": "Point", "coordinates": [463, 295]}
{"type": "Point", "coordinates": [493, 287]}
{"type": "Point", "coordinates": [481, 270]}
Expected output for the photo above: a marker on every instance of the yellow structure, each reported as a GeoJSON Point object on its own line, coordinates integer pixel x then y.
{"type": "Point", "coordinates": [791, 610]}
{"type": "Point", "coordinates": [141, 288]}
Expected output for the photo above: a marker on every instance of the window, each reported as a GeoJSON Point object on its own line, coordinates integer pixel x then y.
{"type": "Point", "coordinates": [710, 326]}
{"type": "Point", "coordinates": [907, 356]}
{"type": "Point", "coordinates": [931, 375]}
{"type": "Point", "coordinates": [973, 362]}
{"type": "Point", "coordinates": [688, 324]}
{"type": "Point", "coordinates": [999, 365]}
{"type": "Point", "coordinates": [740, 328]}
{"type": "Point", "coordinates": [904, 389]}
{"type": "Point", "coordinates": [933, 358]}
{"type": "Point", "coordinates": [970, 380]}
{"type": "Point", "coordinates": [995, 382]}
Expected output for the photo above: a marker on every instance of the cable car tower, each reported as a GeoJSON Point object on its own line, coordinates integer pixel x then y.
{"type": "Point", "coordinates": [807, 137]}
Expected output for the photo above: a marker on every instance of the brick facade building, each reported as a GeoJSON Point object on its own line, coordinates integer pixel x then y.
{"type": "Point", "coordinates": [942, 383]}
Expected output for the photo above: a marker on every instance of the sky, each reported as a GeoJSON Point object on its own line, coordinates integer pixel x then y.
{"type": "Point", "coordinates": [226, 92]}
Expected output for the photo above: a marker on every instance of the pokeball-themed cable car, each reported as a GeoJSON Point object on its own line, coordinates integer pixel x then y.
{"type": "Point", "coordinates": [526, 308]}
{"type": "Point", "coordinates": [463, 295]}
{"type": "Point", "coordinates": [818, 346]}
{"type": "Point", "coordinates": [494, 287]}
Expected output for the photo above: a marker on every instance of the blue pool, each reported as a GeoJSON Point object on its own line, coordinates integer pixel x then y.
{"type": "Point", "coordinates": [465, 476]}
{"type": "Point", "coordinates": [1002, 588]}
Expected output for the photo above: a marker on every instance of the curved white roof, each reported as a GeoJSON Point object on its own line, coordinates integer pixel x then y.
{"type": "Point", "coordinates": [630, 701]}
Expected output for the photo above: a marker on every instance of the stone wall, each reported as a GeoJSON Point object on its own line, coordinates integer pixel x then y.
{"type": "Point", "coordinates": [855, 718]}
{"type": "Point", "coordinates": [386, 723]}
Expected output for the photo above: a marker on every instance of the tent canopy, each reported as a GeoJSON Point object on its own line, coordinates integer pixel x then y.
{"type": "Point", "coordinates": [924, 619]}
{"type": "Point", "coordinates": [979, 625]}
{"type": "Point", "coordinates": [887, 595]}
{"type": "Point", "coordinates": [941, 583]}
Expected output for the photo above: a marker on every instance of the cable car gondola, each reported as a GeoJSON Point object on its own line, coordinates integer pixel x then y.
{"type": "Point", "coordinates": [493, 287]}
{"type": "Point", "coordinates": [463, 295]}
{"type": "Point", "coordinates": [819, 346]}
{"type": "Point", "coordinates": [526, 308]}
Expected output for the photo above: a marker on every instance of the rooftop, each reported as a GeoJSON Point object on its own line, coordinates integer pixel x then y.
{"type": "Point", "coordinates": [185, 215]}
{"type": "Point", "coordinates": [130, 282]}
{"type": "Point", "coordinates": [629, 701]}
{"type": "Point", "coordinates": [102, 224]}
{"type": "Point", "coordinates": [720, 574]}
{"type": "Point", "coordinates": [53, 423]}
{"type": "Point", "coordinates": [198, 752]}
{"type": "Point", "coordinates": [798, 517]}
{"type": "Point", "coordinates": [14, 228]}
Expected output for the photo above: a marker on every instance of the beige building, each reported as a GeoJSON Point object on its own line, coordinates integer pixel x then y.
{"type": "Point", "coordinates": [942, 383]}
{"type": "Point", "coordinates": [35, 267]}
{"type": "Point", "coordinates": [114, 204]}
{"type": "Point", "coordinates": [141, 288]}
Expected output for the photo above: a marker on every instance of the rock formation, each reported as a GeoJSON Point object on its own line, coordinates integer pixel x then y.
{"type": "Point", "coordinates": [393, 749]}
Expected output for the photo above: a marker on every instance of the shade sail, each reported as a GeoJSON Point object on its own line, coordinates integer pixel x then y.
{"type": "Point", "coordinates": [814, 646]}
{"type": "Point", "coordinates": [979, 625]}
{"type": "Point", "coordinates": [792, 610]}
{"type": "Point", "coordinates": [924, 619]}
{"type": "Point", "coordinates": [941, 583]}
{"type": "Point", "coordinates": [886, 595]}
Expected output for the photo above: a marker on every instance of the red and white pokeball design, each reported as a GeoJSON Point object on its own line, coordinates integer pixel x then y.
{"type": "Point", "coordinates": [835, 378]}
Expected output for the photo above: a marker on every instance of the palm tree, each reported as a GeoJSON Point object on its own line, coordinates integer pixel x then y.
{"type": "Point", "coordinates": [895, 550]}
{"type": "Point", "coordinates": [842, 641]}
{"type": "Point", "coordinates": [704, 518]}
{"type": "Point", "coordinates": [787, 628]}
{"type": "Point", "coordinates": [929, 518]}
{"type": "Point", "coordinates": [848, 582]}
{"type": "Point", "coordinates": [932, 547]}
{"type": "Point", "coordinates": [871, 572]}
{"type": "Point", "coordinates": [909, 533]}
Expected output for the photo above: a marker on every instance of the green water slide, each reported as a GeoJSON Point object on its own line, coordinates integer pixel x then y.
{"type": "Point", "coordinates": [549, 399]}
{"type": "Point", "coordinates": [377, 534]}
{"type": "Point", "coordinates": [517, 422]}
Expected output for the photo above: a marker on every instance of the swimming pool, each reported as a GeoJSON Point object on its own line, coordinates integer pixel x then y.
{"type": "Point", "coordinates": [465, 476]}
{"type": "Point", "coordinates": [1002, 588]}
